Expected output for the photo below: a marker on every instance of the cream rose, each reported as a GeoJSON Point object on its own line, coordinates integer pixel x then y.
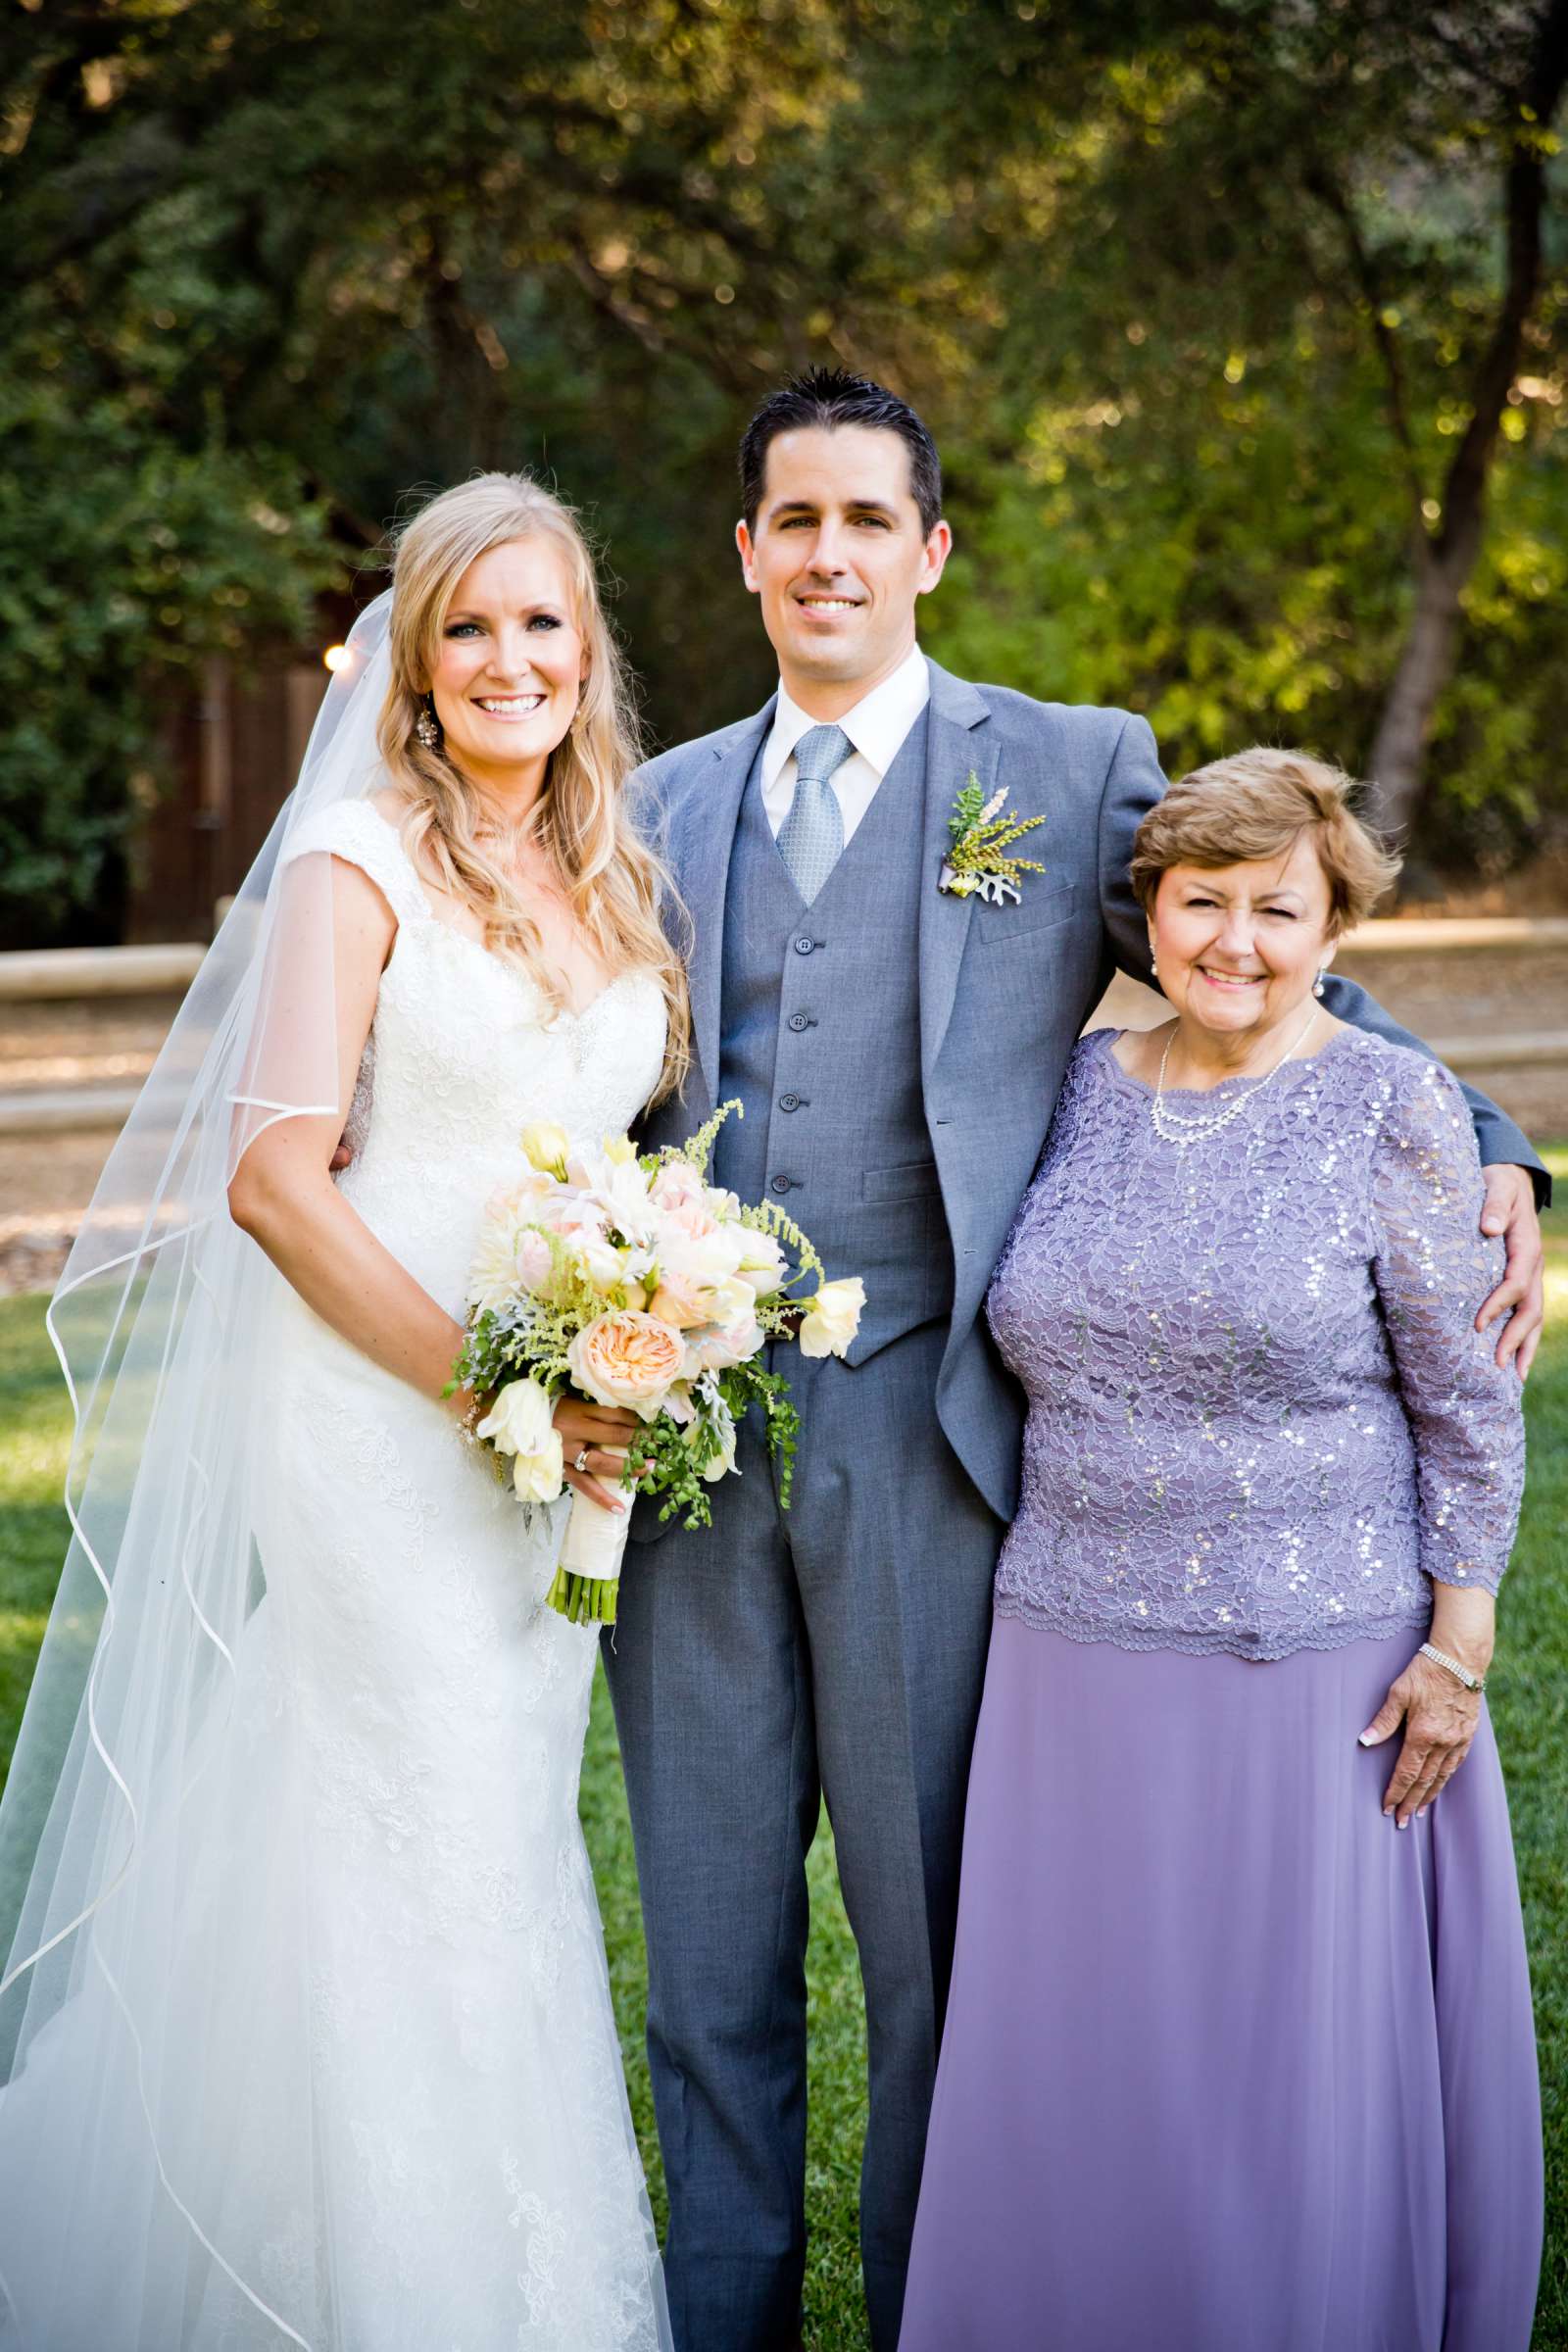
{"type": "Point", "coordinates": [685, 1304]}
{"type": "Point", "coordinates": [627, 1359]}
{"type": "Point", "coordinates": [708, 1257]}
{"type": "Point", "coordinates": [521, 1422]}
{"type": "Point", "coordinates": [534, 1261]}
{"type": "Point", "coordinates": [677, 1185]}
{"type": "Point", "coordinates": [833, 1317]}
{"type": "Point", "coordinates": [602, 1262]}
{"type": "Point", "coordinates": [716, 1350]}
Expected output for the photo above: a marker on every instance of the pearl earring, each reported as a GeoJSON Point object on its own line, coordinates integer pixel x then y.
{"type": "Point", "coordinates": [1153, 968]}
{"type": "Point", "coordinates": [427, 727]}
{"type": "Point", "coordinates": [1317, 985]}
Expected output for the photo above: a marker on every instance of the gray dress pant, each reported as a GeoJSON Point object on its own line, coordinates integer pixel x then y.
{"type": "Point", "coordinates": [832, 1651]}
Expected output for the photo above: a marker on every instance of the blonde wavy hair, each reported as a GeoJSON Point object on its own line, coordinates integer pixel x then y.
{"type": "Point", "coordinates": [615, 883]}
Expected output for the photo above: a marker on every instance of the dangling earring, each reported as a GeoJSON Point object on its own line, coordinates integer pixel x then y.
{"type": "Point", "coordinates": [1317, 985]}
{"type": "Point", "coordinates": [1153, 968]}
{"type": "Point", "coordinates": [427, 727]}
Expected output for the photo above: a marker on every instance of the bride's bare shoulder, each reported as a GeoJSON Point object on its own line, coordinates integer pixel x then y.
{"type": "Point", "coordinates": [390, 805]}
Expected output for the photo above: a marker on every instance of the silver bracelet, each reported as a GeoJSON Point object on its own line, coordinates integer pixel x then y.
{"type": "Point", "coordinates": [1460, 1674]}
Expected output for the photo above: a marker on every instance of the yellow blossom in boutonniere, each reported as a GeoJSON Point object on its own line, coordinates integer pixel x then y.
{"type": "Point", "coordinates": [981, 837]}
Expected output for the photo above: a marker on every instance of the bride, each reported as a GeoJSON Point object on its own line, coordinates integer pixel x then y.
{"type": "Point", "coordinates": [306, 2015]}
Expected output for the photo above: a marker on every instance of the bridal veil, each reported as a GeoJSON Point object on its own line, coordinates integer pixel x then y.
{"type": "Point", "coordinates": [148, 1900]}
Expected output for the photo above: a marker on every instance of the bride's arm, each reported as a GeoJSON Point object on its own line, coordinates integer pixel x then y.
{"type": "Point", "coordinates": [283, 1195]}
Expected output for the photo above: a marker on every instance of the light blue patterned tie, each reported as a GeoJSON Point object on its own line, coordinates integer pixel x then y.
{"type": "Point", "coordinates": [811, 839]}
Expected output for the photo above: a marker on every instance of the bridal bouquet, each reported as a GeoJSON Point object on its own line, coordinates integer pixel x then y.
{"type": "Point", "coordinates": [635, 1282]}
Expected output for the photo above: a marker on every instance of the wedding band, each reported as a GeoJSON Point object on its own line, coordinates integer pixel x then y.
{"type": "Point", "coordinates": [581, 1463]}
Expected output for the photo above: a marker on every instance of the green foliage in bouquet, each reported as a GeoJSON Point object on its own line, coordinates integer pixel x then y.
{"type": "Point", "coordinates": [535, 1331]}
{"type": "Point", "coordinates": [666, 1460]}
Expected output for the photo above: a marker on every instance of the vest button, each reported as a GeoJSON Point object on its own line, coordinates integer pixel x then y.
{"type": "Point", "coordinates": [781, 1184]}
{"type": "Point", "coordinates": [799, 1020]}
{"type": "Point", "coordinates": [789, 1101]}
{"type": "Point", "coordinates": [804, 946]}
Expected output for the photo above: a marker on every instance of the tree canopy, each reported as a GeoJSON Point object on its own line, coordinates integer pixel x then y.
{"type": "Point", "coordinates": [1240, 327]}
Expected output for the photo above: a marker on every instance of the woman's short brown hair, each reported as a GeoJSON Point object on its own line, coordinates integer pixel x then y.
{"type": "Point", "coordinates": [1256, 805]}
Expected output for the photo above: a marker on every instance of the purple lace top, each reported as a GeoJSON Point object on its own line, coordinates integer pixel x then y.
{"type": "Point", "coordinates": [1260, 1415]}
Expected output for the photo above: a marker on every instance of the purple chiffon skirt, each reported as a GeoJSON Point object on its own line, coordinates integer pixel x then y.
{"type": "Point", "coordinates": [1231, 2064]}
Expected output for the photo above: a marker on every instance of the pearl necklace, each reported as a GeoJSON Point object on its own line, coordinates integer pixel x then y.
{"type": "Point", "coordinates": [1173, 1127]}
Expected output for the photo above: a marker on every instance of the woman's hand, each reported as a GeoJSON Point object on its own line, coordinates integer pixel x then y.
{"type": "Point", "coordinates": [1440, 1715]}
{"type": "Point", "coordinates": [597, 1435]}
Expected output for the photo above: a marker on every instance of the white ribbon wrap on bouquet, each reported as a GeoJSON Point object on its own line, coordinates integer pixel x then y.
{"type": "Point", "coordinates": [587, 1575]}
{"type": "Point", "coordinates": [595, 1541]}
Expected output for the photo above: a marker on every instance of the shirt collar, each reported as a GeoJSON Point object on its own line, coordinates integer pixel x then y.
{"type": "Point", "coordinates": [876, 726]}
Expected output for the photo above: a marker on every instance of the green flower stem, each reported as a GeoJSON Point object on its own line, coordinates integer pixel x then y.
{"type": "Point", "coordinates": [584, 1600]}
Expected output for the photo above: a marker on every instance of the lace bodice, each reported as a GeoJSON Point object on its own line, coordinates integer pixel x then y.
{"type": "Point", "coordinates": [463, 1054]}
{"type": "Point", "coordinates": [1260, 1415]}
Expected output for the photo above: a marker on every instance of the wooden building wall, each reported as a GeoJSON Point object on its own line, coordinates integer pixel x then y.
{"type": "Point", "coordinates": [232, 748]}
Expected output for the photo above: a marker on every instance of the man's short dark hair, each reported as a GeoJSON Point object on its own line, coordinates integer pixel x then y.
{"type": "Point", "coordinates": [826, 397]}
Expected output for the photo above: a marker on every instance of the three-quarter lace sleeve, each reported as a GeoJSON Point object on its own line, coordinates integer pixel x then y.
{"type": "Point", "coordinates": [1433, 1267]}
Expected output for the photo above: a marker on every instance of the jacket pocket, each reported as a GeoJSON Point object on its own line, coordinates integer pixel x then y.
{"type": "Point", "coordinates": [1037, 911]}
{"type": "Point", "coordinates": [913, 1180]}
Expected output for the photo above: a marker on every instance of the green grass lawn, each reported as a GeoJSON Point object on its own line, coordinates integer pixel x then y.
{"type": "Point", "coordinates": [1530, 1704]}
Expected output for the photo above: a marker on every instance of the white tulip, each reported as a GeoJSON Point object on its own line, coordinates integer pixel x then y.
{"type": "Point", "coordinates": [762, 1263]}
{"type": "Point", "coordinates": [521, 1422]}
{"type": "Point", "coordinates": [833, 1317]}
{"type": "Point", "coordinates": [546, 1145]}
{"type": "Point", "coordinates": [540, 1477]}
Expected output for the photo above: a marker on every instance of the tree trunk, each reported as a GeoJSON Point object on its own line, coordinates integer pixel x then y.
{"type": "Point", "coordinates": [1426, 663]}
{"type": "Point", "coordinates": [1445, 562]}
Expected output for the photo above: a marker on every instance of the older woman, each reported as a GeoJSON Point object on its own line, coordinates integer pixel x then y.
{"type": "Point", "coordinates": [1239, 2056]}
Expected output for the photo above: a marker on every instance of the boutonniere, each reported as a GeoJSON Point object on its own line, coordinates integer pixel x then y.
{"type": "Point", "coordinates": [982, 836]}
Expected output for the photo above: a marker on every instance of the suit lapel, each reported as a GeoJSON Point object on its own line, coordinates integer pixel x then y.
{"type": "Point", "coordinates": [960, 742]}
{"type": "Point", "coordinates": [703, 835]}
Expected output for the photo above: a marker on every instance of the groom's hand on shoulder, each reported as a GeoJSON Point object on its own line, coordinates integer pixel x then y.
{"type": "Point", "coordinates": [1510, 1210]}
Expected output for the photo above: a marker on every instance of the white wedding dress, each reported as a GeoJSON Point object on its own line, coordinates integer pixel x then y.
{"type": "Point", "coordinates": [411, 1720]}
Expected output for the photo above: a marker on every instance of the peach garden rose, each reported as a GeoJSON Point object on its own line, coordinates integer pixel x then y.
{"type": "Point", "coordinates": [628, 1359]}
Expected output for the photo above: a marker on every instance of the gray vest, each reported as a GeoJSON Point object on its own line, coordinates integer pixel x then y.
{"type": "Point", "coordinates": [820, 1039]}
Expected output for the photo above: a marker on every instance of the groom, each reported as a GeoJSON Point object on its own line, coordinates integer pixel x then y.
{"type": "Point", "coordinates": [898, 1050]}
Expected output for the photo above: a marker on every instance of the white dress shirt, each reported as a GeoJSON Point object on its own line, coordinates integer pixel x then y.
{"type": "Point", "coordinates": [876, 728]}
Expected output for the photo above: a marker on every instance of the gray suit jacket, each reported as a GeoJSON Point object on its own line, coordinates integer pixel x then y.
{"type": "Point", "coordinates": [1005, 991]}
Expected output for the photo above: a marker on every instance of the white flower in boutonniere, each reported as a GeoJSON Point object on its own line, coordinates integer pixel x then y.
{"type": "Point", "coordinates": [982, 836]}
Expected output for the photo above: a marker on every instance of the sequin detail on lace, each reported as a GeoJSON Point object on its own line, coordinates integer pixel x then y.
{"type": "Point", "coordinates": [1260, 1416]}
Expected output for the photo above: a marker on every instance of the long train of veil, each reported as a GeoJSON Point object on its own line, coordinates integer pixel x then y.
{"type": "Point", "coordinates": [133, 1826]}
